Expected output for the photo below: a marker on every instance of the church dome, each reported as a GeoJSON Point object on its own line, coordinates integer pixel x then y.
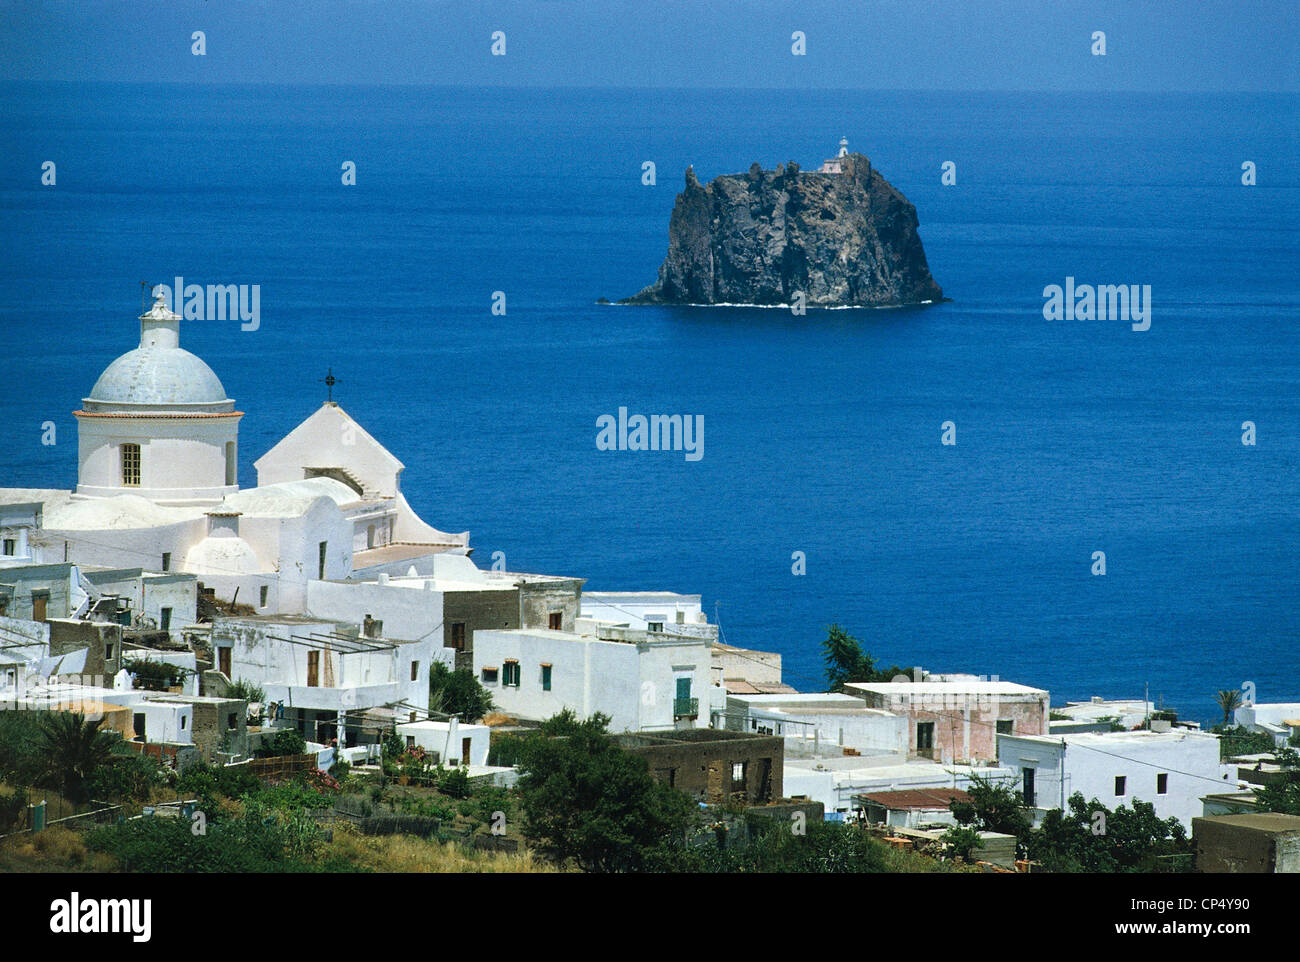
{"type": "Point", "coordinates": [159, 374]}
{"type": "Point", "coordinates": [162, 376]}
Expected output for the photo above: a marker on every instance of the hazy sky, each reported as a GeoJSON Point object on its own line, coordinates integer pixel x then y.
{"type": "Point", "coordinates": [873, 44]}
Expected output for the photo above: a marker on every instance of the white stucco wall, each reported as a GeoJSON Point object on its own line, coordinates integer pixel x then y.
{"type": "Point", "coordinates": [361, 679]}
{"type": "Point", "coordinates": [166, 722]}
{"type": "Point", "coordinates": [1190, 760]}
{"type": "Point", "coordinates": [439, 737]}
{"type": "Point", "coordinates": [407, 612]}
{"type": "Point", "coordinates": [797, 717]}
{"type": "Point", "coordinates": [182, 460]}
{"type": "Point", "coordinates": [635, 684]}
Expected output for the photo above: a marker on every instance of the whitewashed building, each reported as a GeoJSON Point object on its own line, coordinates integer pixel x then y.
{"type": "Point", "coordinates": [1171, 770]}
{"type": "Point", "coordinates": [642, 680]}
{"type": "Point", "coordinates": [1280, 720]}
{"type": "Point", "coordinates": [320, 677]}
{"type": "Point", "coordinates": [158, 455]}
{"type": "Point", "coordinates": [817, 722]}
{"type": "Point", "coordinates": [1127, 713]}
{"type": "Point", "coordinates": [453, 742]}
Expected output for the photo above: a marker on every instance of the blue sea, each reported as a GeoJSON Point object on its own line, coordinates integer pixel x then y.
{"type": "Point", "coordinates": [822, 432]}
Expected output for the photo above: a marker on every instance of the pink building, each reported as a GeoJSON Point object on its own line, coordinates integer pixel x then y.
{"type": "Point", "coordinates": [959, 721]}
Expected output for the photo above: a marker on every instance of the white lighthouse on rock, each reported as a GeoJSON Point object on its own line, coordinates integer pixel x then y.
{"type": "Point", "coordinates": [158, 424]}
{"type": "Point", "coordinates": [834, 165]}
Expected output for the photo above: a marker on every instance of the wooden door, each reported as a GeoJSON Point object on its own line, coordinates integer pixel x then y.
{"type": "Point", "coordinates": [464, 751]}
{"type": "Point", "coordinates": [223, 661]}
{"type": "Point", "coordinates": [313, 669]}
{"type": "Point", "coordinates": [39, 604]}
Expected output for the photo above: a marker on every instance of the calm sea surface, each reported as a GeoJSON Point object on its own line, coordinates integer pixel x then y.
{"type": "Point", "coordinates": [821, 432]}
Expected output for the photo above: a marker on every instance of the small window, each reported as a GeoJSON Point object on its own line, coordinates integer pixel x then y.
{"type": "Point", "coordinates": [108, 651]}
{"type": "Point", "coordinates": [1162, 784]}
{"type": "Point", "coordinates": [458, 635]}
{"type": "Point", "coordinates": [183, 721]}
{"type": "Point", "coordinates": [11, 547]}
{"type": "Point", "coordinates": [654, 626]}
{"type": "Point", "coordinates": [556, 620]}
{"type": "Point", "coordinates": [489, 676]}
{"type": "Point", "coordinates": [265, 594]}
{"type": "Point", "coordinates": [410, 741]}
{"type": "Point", "coordinates": [546, 677]}
{"type": "Point", "coordinates": [232, 720]}
{"type": "Point", "coordinates": [131, 465]}
{"type": "Point", "coordinates": [415, 671]}
{"type": "Point", "coordinates": [167, 561]}
{"type": "Point", "coordinates": [510, 674]}
{"type": "Point", "coordinates": [738, 772]}
{"type": "Point", "coordinates": [322, 549]}
{"type": "Point", "coordinates": [1120, 783]}
{"type": "Point", "coordinates": [1006, 726]}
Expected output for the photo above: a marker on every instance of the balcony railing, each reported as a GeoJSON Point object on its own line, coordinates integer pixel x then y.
{"type": "Point", "coordinates": [686, 707]}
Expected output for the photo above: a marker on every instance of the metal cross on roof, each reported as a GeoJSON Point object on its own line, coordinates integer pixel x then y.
{"type": "Point", "coordinates": [329, 381]}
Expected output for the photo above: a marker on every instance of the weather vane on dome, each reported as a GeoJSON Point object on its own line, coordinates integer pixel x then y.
{"type": "Point", "coordinates": [329, 381]}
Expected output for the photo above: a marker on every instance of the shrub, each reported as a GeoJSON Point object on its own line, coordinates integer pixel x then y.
{"type": "Point", "coordinates": [12, 811]}
{"type": "Point", "coordinates": [246, 691]}
{"type": "Point", "coordinates": [126, 777]}
{"type": "Point", "coordinates": [454, 782]}
{"type": "Point", "coordinates": [156, 675]}
{"type": "Point", "coordinates": [250, 844]}
{"type": "Point", "coordinates": [285, 741]}
{"type": "Point", "coordinates": [962, 842]}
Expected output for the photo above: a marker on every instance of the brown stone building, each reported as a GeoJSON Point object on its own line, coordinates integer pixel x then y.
{"type": "Point", "coordinates": [711, 765]}
{"type": "Point", "coordinates": [1266, 842]}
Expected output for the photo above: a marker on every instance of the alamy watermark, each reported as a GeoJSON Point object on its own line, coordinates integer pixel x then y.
{"type": "Point", "coordinates": [215, 302]}
{"type": "Point", "coordinates": [1104, 302]}
{"type": "Point", "coordinates": [657, 432]}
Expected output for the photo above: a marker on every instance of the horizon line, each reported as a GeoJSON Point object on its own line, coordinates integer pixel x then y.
{"type": "Point", "coordinates": [675, 87]}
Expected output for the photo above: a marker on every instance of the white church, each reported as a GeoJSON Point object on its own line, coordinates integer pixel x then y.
{"type": "Point", "coordinates": [157, 488]}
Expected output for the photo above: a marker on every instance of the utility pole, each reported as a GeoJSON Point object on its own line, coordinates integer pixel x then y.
{"type": "Point", "coordinates": [1062, 779]}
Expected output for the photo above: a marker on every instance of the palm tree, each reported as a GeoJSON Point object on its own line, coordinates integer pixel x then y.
{"type": "Point", "coordinates": [1229, 700]}
{"type": "Point", "coordinates": [73, 749]}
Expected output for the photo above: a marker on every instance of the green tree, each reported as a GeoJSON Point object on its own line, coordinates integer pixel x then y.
{"type": "Point", "coordinates": [20, 757]}
{"type": "Point", "coordinates": [1242, 741]}
{"type": "Point", "coordinates": [457, 693]}
{"type": "Point", "coordinates": [587, 799]}
{"type": "Point", "coordinates": [73, 749]}
{"type": "Point", "coordinates": [994, 806]}
{"type": "Point", "coordinates": [1088, 837]}
{"type": "Point", "coordinates": [847, 662]}
{"type": "Point", "coordinates": [285, 741]}
{"type": "Point", "coordinates": [1283, 793]}
{"type": "Point", "coordinates": [845, 659]}
{"type": "Point", "coordinates": [1229, 700]}
{"type": "Point", "coordinates": [962, 841]}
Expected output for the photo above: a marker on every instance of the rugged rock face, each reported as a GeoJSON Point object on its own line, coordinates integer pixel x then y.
{"type": "Point", "coordinates": [846, 239]}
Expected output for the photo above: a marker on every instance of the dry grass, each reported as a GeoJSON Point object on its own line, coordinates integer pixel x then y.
{"type": "Point", "coordinates": [406, 853]}
{"type": "Point", "coordinates": [494, 718]}
{"type": "Point", "coordinates": [57, 849]}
